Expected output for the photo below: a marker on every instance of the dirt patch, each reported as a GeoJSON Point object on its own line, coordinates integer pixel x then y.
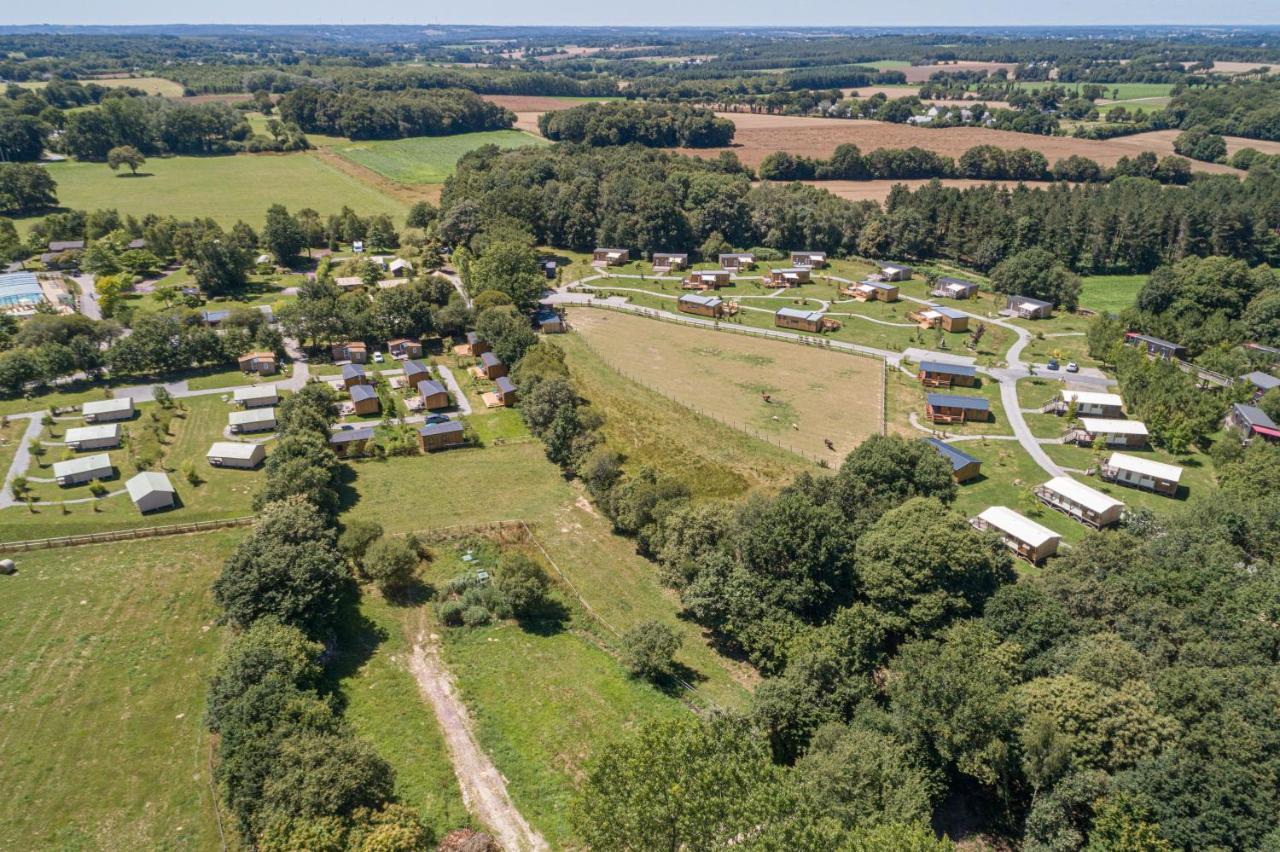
{"type": "Point", "coordinates": [1161, 141]}
{"type": "Point", "coordinates": [407, 193]}
{"type": "Point", "coordinates": [878, 190]}
{"type": "Point", "coordinates": [532, 103]}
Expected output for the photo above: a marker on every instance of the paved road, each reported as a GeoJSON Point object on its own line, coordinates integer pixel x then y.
{"type": "Point", "coordinates": [22, 459]}
{"type": "Point", "coordinates": [88, 300]}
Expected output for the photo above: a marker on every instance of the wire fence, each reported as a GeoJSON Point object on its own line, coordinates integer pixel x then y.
{"type": "Point", "coordinates": [122, 535]}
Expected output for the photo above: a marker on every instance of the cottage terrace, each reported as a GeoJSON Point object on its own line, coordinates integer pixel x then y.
{"type": "Point", "coordinates": [1122, 433]}
{"type": "Point", "coordinates": [871, 291]}
{"type": "Point", "coordinates": [1145, 474]}
{"type": "Point", "coordinates": [937, 374]}
{"type": "Point", "coordinates": [963, 466]}
{"type": "Point", "coordinates": [1084, 504]}
{"type": "Point", "coordinates": [948, 408]}
{"type": "Point", "coordinates": [1023, 536]}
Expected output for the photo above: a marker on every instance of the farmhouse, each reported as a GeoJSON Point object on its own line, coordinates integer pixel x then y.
{"type": "Point", "coordinates": [1087, 505]}
{"type": "Point", "coordinates": [150, 491]}
{"type": "Point", "coordinates": [1247, 421]}
{"type": "Point", "coordinates": [350, 442]}
{"type": "Point", "coordinates": [437, 436]}
{"type": "Point", "coordinates": [792, 276]}
{"type": "Point", "coordinates": [1114, 433]}
{"type": "Point", "coordinates": [955, 288]}
{"type": "Point", "coordinates": [707, 279]}
{"type": "Point", "coordinates": [354, 374]}
{"type": "Point", "coordinates": [665, 261]}
{"type": "Point", "coordinates": [256, 396]}
{"type": "Point", "coordinates": [871, 291]}
{"type": "Point", "coordinates": [474, 346]}
{"type": "Point", "coordinates": [353, 351]}
{"type": "Point", "coordinates": [103, 436]}
{"type": "Point", "coordinates": [549, 321]}
{"type": "Point", "coordinates": [252, 420]}
{"type": "Point", "coordinates": [935, 374]}
{"type": "Point", "coordinates": [364, 399]}
{"type": "Point", "coordinates": [895, 272]}
{"type": "Point", "coordinates": [737, 261]}
{"type": "Point", "coordinates": [1262, 382]}
{"type": "Point", "coordinates": [433, 394]}
{"type": "Point", "coordinates": [936, 316]}
{"type": "Point", "coordinates": [506, 390]}
{"type": "Point", "coordinates": [963, 465]}
{"type": "Point", "coordinates": [705, 306]}
{"type": "Point", "coordinates": [106, 410]}
{"type": "Point", "coordinates": [800, 320]}
{"type": "Point", "coordinates": [1023, 536]}
{"type": "Point", "coordinates": [1089, 404]}
{"type": "Point", "coordinates": [1026, 307]}
{"type": "Point", "coordinates": [414, 372]}
{"type": "Point", "coordinates": [236, 454]}
{"type": "Point", "coordinates": [948, 408]}
{"type": "Point", "coordinates": [811, 259]}
{"type": "Point", "coordinates": [610, 256]}
{"type": "Point", "coordinates": [1155, 347]}
{"type": "Point", "coordinates": [262, 363]}
{"type": "Point", "coordinates": [491, 365]}
{"type": "Point", "coordinates": [404, 348]}
{"type": "Point", "coordinates": [1141, 473]}
{"type": "Point", "coordinates": [86, 469]}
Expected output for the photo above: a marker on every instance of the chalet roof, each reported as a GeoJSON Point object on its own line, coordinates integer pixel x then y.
{"type": "Point", "coordinates": [949, 313]}
{"type": "Point", "coordinates": [1094, 425]}
{"type": "Point", "coordinates": [346, 436]}
{"type": "Point", "coordinates": [737, 255]}
{"type": "Point", "coordinates": [897, 267]}
{"type": "Point", "coordinates": [148, 482]}
{"type": "Point", "coordinates": [86, 464]}
{"type": "Point", "coordinates": [959, 282]}
{"type": "Point", "coordinates": [1261, 380]}
{"type": "Point", "coordinates": [1137, 464]}
{"type": "Point", "coordinates": [359, 393]}
{"type": "Point", "coordinates": [92, 433]}
{"type": "Point", "coordinates": [446, 428]}
{"type": "Point", "coordinates": [233, 450]}
{"type": "Point", "coordinates": [352, 371]}
{"type": "Point", "coordinates": [709, 273]}
{"type": "Point", "coordinates": [1156, 341]}
{"type": "Point", "coordinates": [1022, 528]}
{"type": "Point", "coordinates": [505, 384]}
{"type": "Point", "coordinates": [258, 356]}
{"type": "Point", "coordinates": [1253, 415]}
{"type": "Point", "coordinates": [699, 299]}
{"type": "Point", "coordinates": [490, 360]}
{"type": "Point", "coordinates": [878, 285]}
{"type": "Point", "coordinates": [410, 367]}
{"type": "Point", "coordinates": [66, 245]}
{"type": "Point", "coordinates": [107, 406]}
{"type": "Point", "coordinates": [802, 253]}
{"type": "Point", "coordinates": [428, 387]}
{"type": "Point", "coordinates": [214, 316]}
{"type": "Point", "coordinates": [957, 458]}
{"type": "Point", "coordinates": [796, 313]}
{"type": "Point", "coordinates": [354, 345]}
{"type": "Point", "coordinates": [1092, 398]}
{"type": "Point", "coordinates": [473, 338]}
{"type": "Point", "coordinates": [948, 369]}
{"type": "Point", "coordinates": [968, 403]}
{"type": "Point", "coordinates": [347, 282]}
{"type": "Point", "coordinates": [1028, 300]}
{"type": "Point", "coordinates": [255, 392]}
{"type": "Point", "coordinates": [1083, 495]}
{"type": "Point", "coordinates": [670, 255]}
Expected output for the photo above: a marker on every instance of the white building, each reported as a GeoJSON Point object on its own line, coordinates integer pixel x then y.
{"type": "Point", "coordinates": [256, 396]}
{"type": "Point", "coordinates": [104, 436]}
{"type": "Point", "coordinates": [1120, 433]}
{"type": "Point", "coordinates": [1093, 404]}
{"type": "Point", "coordinates": [106, 410]}
{"type": "Point", "coordinates": [1086, 505]}
{"type": "Point", "coordinates": [1022, 535]}
{"type": "Point", "coordinates": [151, 490]}
{"type": "Point", "coordinates": [252, 420]}
{"type": "Point", "coordinates": [84, 469]}
{"type": "Point", "coordinates": [236, 454]}
{"type": "Point", "coordinates": [1142, 473]}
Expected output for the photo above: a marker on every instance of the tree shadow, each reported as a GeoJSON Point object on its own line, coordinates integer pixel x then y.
{"type": "Point", "coordinates": [136, 175]}
{"type": "Point", "coordinates": [673, 683]}
{"type": "Point", "coordinates": [355, 640]}
{"type": "Point", "coordinates": [415, 593]}
{"type": "Point", "coordinates": [549, 619]}
{"type": "Point", "coordinates": [348, 496]}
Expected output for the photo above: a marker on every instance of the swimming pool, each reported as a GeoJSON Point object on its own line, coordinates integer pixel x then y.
{"type": "Point", "coordinates": [19, 288]}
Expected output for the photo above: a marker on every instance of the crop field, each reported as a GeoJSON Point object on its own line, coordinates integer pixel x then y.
{"type": "Point", "coordinates": [1161, 142]}
{"type": "Point", "coordinates": [150, 85]}
{"type": "Point", "coordinates": [107, 649]}
{"type": "Point", "coordinates": [878, 190]}
{"type": "Point", "coordinates": [426, 159]}
{"type": "Point", "coordinates": [1111, 293]}
{"type": "Point", "coordinates": [814, 395]}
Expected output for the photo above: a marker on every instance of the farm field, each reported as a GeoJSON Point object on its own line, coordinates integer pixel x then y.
{"type": "Point", "coordinates": [1111, 293]}
{"type": "Point", "coordinates": [1161, 142]}
{"type": "Point", "coordinates": [921, 73]}
{"type": "Point", "coordinates": [107, 650]}
{"type": "Point", "coordinates": [815, 395]}
{"type": "Point", "coordinates": [150, 85]}
{"type": "Point", "coordinates": [878, 190]}
{"type": "Point", "coordinates": [426, 159]}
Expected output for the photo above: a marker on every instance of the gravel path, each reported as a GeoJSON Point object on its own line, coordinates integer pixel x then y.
{"type": "Point", "coordinates": [22, 458]}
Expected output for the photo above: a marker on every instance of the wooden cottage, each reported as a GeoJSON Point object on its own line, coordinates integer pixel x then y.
{"type": "Point", "coordinates": [404, 348]}
{"type": "Point", "coordinates": [364, 398]}
{"type": "Point", "coordinates": [84, 469]}
{"type": "Point", "coordinates": [1247, 421]}
{"type": "Point", "coordinates": [492, 367]}
{"type": "Point", "coordinates": [1137, 472]}
{"type": "Point", "coordinates": [895, 272]}
{"type": "Point", "coordinates": [811, 259]}
{"type": "Point", "coordinates": [936, 316]}
{"type": "Point", "coordinates": [792, 276]}
{"type": "Point", "coordinates": [703, 306]}
{"type": "Point", "coordinates": [938, 374]}
{"type": "Point", "coordinates": [1114, 433]}
{"type": "Point", "coordinates": [666, 261]}
{"type": "Point", "coordinates": [354, 374]}
{"type": "Point", "coordinates": [252, 420]}
{"type": "Point", "coordinates": [101, 436]}
{"type": "Point", "coordinates": [350, 442]}
{"type": "Point", "coordinates": [1025, 307]}
{"type": "Point", "coordinates": [610, 257]}
{"type": "Point", "coordinates": [414, 372]}
{"type": "Point", "coordinates": [948, 408]}
{"type": "Point", "coordinates": [439, 436]}
{"type": "Point", "coordinates": [1023, 536]}
{"type": "Point", "coordinates": [801, 320]}
{"type": "Point", "coordinates": [236, 454]}
{"type": "Point", "coordinates": [549, 321]}
{"type": "Point", "coordinates": [434, 396]}
{"type": "Point", "coordinates": [1089, 404]}
{"type": "Point", "coordinates": [151, 491]}
{"type": "Point", "coordinates": [707, 279]}
{"type": "Point", "coordinates": [737, 261]}
{"type": "Point", "coordinates": [474, 346]}
{"type": "Point", "coordinates": [107, 410]}
{"type": "Point", "coordinates": [262, 363]}
{"type": "Point", "coordinates": [506, 391]}
{"type": "Point", "coordinates": [871, 291]}
{"type": "Point", "coordinates": [1155, 347]}
{"type": "Point", "coordinates": [1084, 504]}
{"type": "Point", "coordinates": [963, 466]}
{"type": "Point", "coordinates": [353, 351]}
{"type": "Point", "coordinates": [954, 288]}
{"type": "Point", "coordinates": [256, 396]}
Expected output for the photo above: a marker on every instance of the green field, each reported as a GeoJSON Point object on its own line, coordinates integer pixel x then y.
{"type": "Point", "coordinates": [1127, 91]}
{"type": "Point", "coordinates": [427, 159]}
{"type": "Point", "coordinates": [1111, 293]}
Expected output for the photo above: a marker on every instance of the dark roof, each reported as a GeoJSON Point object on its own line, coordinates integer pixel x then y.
{"type": "Point", "coordinates": [505, 384]}
{"type": "Point", "coordinates": [545, 316]}
{"type": "Point", "coordinates": [948, 369]}
{"type": "Point", "coordinates": [359, 393]}
{"type": "Point", "coordinates": [1261, 380]}
{"type": "Point", "coordinates": [430, 388]}
{"type": "Point", "coordinates": [1253, 415]}
{"type": "Point", "coordinates": [66, 245]}
{"type": "Point", "coordinates": [414, 367]}
{"type": "Point", "coordinates": [970, 403]}
{"type": "Point", "coordinates": [348, 435]}
{"type": "Point", "coordinates": [351, 371]}
{"type": "Point", "coordinates": [440, 428]}
{"type": "Point", "coordinates": [1146, 338]}
{"type": "Point", "coordinates": [957, 458]}
{"type": "Point", "coordinates": [489, 359]}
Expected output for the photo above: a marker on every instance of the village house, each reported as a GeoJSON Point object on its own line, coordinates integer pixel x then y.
{"type": "Point", "coordinates": [354, 374]}
{"type": "Point", "coordinates": [1088, 404]}
{"type": "Point", "coordinates": [737, 261]}
{"type": "Point", "coordinates": [353, 351]}
{"type": "Point", "coordinates": [491, 365]}
{"type": "Point", "coordinates": [236, 454]}
{"type": "Point", "coordinates": [549, 321]}
{"type": "Point", "coordinates": [403, 348]}
{"type": "Point", "coordinates": [262, 363]}
{"type": "Point", "coordinates": [1114, 433]}
{"type": "Point", "coordinates": [252, 420]}
{"type": "Point", "coordinates": [963, 466]}
{"type": "Point", "coordinates": [610, 257]}
{"type": "Point", "coordinates": [151, 491]}
{"type": "Point", "coordinates": [666, 261]}
{"type": "Point", "coordinates": [1026, 307]}
{"type": "Point", "coordinates": [1155, 347]}
{"type": "Point", "coordinates": [103, 436]}
{"type": "Point", "coordinates": [59, 246]}
{"type": "Point", "coordinates": [433, 394]}
{"type": "Point", "coordinates": [790, 277]}
{"type": "Point", "coordinates": [474, 346]}
{"type": "Point", "coordinates": [438, 436]}
{"type": "Point", "coordinates": [506, 391]}
{"type": "Point", "coordinates": [256, 396]}
{"type": "Point", "coordinates": [871, 291]}
{"type": "Point", "coordinates": [1262, 382]}
{"type": "Point", "coordinates": [938, 374]}
{"type": "Point", "coordinates": [1084, 504]}
{"type": "Point", "coordinates": [811, 259]}
{"type": "Point", "coordinates": [937, 316]}
{"type": "Point", "coordinates": [1141, 473]}
{"type": "Point", "coordinates": [895, 272]}
{"type": "Point", "coordinates": [801, 320]}
{"type": "Point", "coordinates": [706, 279]}
{"type": "Point", "coordinates": [84, 469]}
{"type": "Point", "coordinates": [364, 399]}
{"type": "Point", "coordinates": [1247, 421]}
{"type": "Point", "coordinates": [107, 410]}
{"type": "Point", "coordinates": [704, 306]}
{"type": "Point", "coordinates": [350, 442]}
{"type": "Point", "coordinates": [1023, 536]}
{"type": "Point", "coordinates": [414, 372]}
{"type": "Point", "coordinates": [949, 408]}
{"type": "Point", "coordinates": [954, 288]}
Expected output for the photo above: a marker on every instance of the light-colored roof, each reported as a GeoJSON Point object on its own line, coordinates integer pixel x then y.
{"type": "Point", "coordinates": [877, 285]}
{"type": "Point", "coordinates": [696, 299]}
{"type": "Point", "coordinates": [809, 253]}
{"type": "Point", "coordinates": [87, 464]}
{"type": "Point", "coordinates": [949, 313]}
{"type": "Point", "coordinates": [894, 266]}
{"type": "Point", "coordinates": [1092, 398]}
{"type": "Point", "coordinates": [92, 433]}
{"type": "Point", "coordinates": [232, 450]}
{"type": "Point", "coordinates": [1137, 464]}
{"type": "Point", "coordinates": [148, 482]}
{"type": "Point", "coordinates": [1091, 498]}
{"type": "Point", "coordinates": [791, 270]}
{"type": "Point", "coordinates": [345, 281]}
{"type": "Point", "coordinates": [1022, 528]}
{"type": "Point", "coordinates": [799, 314]}
{"type": "Point", "coordinates": [1028, 300]}
{"type": "Point", "coordinates": [709, 273]}
{"type": "Point", "coordinates": [107, 406]}
{"type": "Point", "coordinates": [255, 392]}
{"type": "Point", "coordinates": [1113, 427]}
{"type": "Point", "coordinates": [1264, 381]}
{"type": "Point", "coordinates": [252, 415]}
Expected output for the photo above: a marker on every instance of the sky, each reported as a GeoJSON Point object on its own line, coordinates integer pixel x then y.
{"type": "Point", "coordinates": [650, 13]}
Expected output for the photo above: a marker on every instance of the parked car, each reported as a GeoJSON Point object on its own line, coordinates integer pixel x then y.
{"type": "Point", "coordinates": [437, 418]}
{"type": "Point", "coordinates": [377, 357]}
{"type": "Point", "coordinates": [1073, 367]}
{"type": "Point", "coordinates": [1053, 364]}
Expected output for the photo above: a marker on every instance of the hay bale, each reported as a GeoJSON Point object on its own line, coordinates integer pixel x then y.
{"type": "Point", "coordinates": [7, 567]}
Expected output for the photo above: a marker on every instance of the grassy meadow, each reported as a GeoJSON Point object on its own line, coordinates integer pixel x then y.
{"type": "Point", "coordinates": [427, 159]}
{"type": "Point", "coordinates": [1111, 293]}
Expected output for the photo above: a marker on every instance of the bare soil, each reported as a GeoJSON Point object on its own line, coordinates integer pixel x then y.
{"type": "Point", "coordinates": [878, 190]}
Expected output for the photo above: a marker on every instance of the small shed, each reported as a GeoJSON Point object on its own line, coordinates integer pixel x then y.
{"type": "Point", "coordinates": [236, 454]}
{"type": "Point", "coordinates": [107, 410]}
{"type": "Point", "coordinates": [252, 420]}
{"type": "Point", "coordinates": [212, 318]}
{"type": "Point", "coordinates": [415, 372]}
{"type": "Point", "coordinates": [433, 393]}
{"type": "Point", "coordinates": [506, 390]}
{"type": "Point", "coordinates": [1029, 540]}
{"type": "Point", "coordinates": [364, 398]}
{"type": "Point", "coordinates": [610, 257]}
{"type": "Point", "coordinates": [353, 351]}
{"type": "Point", "coordinates": [666, 261]}
{"type": "Point", "coordinates": [939, 374]}
{"type": "Point", "coordinates": [102, 436]}
{"type": "Point", "coordinates": [704, 306]}
{"type": "Point", "coordinates": [791, 276]}
{"type": "Point", "coordinates": [896, 272]}
{"type": "Point", "coordinates": [404, 348]}
{"type": "Point", "coordinates": [475, 347]}
{"type": "Point", "coordinates": [1137, 472]}
{"type": "Point", "coordinates": [438, 436]}
{"type": "Point", "coordinates": [737, 261]}
{"type": "Point", "coordinates": [963, 466]}
{"type": "Point", "coordinates": [811, 259]}
{"type": "Point", "coordinates": [400, 265]}
{"type": "Point", "coordinates": [262, 363]}
{"type": "Point", "coordinates": [491, 365]}
{"type": "Point", "coordinates": [707, 279]}
{"type": "Point", "coordinates": [350, 442]}
{"type": "Point", "coordinates": [354, 374]}
{"type": "Point", "coordinates": [84, 469]}
{"type": "Point", "coordinates": [1026, 307]}
{"type": "Point", "coordinates": [1155, 347]}
{"type": "Point", "coordinates": [1076, 500]}
{"type": "Point", "coordinates": [954, 288]}
{"type": "Point", "coordinates": [151, 491]}
{"type": "Point", "coordinates": [948, 408]}
{"type": "Point", "coordinates": [549, 321]}
{"type": "Point", "coordinates": [798, 319]}
{"type": "Point", "coordinates": [1114, 433]}
{"type": "Point", "coordinates": [256, 396]}
{"type": "Point", "coordinates": [1247, 421]}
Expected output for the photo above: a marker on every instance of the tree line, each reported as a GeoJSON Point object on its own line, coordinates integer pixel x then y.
{"type": "Point", "coordinates": [359, 114]}
{"type": "Point", "coordinates": [651, 125]}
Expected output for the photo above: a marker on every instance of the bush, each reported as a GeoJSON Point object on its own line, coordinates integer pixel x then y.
{"type": "Point", "coordinates": [390, 563]}
{"type": "Point", "coordinates": [522, 584]}
{"type": "Point", "coordinates": [649, 650]}
{"type": "Point", "coordinates": [356, 537]}
{"type": "Point", "coordinates": [450, 613]}
{"type": "Point", "coordinates": [475, 616]}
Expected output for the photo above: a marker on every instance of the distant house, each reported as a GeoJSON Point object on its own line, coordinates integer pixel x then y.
{"type": "Point", "coordinates": [60, 246]}
{"type": "Point", "coordinates": [665, 261]}
{"type": "Point", "coordinates": [236, 454]}
{"type": "Point", "coordinates": [937, 316]}
{"type": "Point", "coordinates": [610, 257]}
{"type": "Point", "coordinates": [84, 469]}
{"type": "Point", "coordinates": [1076, 500]}
{"type": "Point", "coordinates": [491, 365]}
{"type": "Point", "coordinates": [963, 466]}
{"type": "Point", "coordinates": [792, 276]}
{"type": "Point", "coordinates": [707, 279]}
{"type": "Point", "coordinates": [252, 420]}
{"type": "Point", "coordinates": [350, 442]}
{"type": "Point", "coordinates": [549, 321]}
{"type": "Point", "coordinates": [871, 291]}
{"type": "Point", "coordinates": [433, 394]}
{"type": "Point", "coordinates": [1090, 404]}
{"type": "Point", "coordinates": [438, 436]}
{"type": "Point", "coordinates": [354, 374]}
{"type": "Point", "coordinates": [256, 396]}
{"type": "Point", "coordinates": [1026, 307]}
{"type": "Point", "coordinates": [895, 272]}
{"type": "Point", "coordinates": [262, 363]}
{"type": "Point", "coordinates": [1262, 382]}
{"type": "Point", "coordinates": [705, 306]}
{"type": "Point", "coordinates": [937, 374]}
{"type": "Point", "coordinates": [737, 261]}
{"type": "Point", "coordinates": [414, 372]}
{"type": "Point", "coordinates": [1247, 421]}
{"type": "Point", "coordinates": [400, 265]}
{"type": "Point", "coordinates": [103, 436]}
{"type": "Point", "coordinates": [264, 260]}
{"type": "Point", "coordinates": [474, 346]}
{"type": "Point", "coordinates": [353, 351]}
{"type": "Point", "coordinates": [347, 283]}
{"type": "Point", "coordinates": [811, 259]}
{"type": "Point", "coordinates": [948, 408]}
{"type": "Point", "coordinates": [364, 399]}
{"type": "Point", "coordinates": [954, 288]}
{"type": "Point", "coordinates": [506, 390]}
{"type": "Point", "coordinates": [404, 348]}
{"type": "Point", "coordinates": [151, 491]}
{"type": "Point", "coordinates": [107, 410]}
{"type": "Point", "coordinates": [1023, 536]}
{"type": "Point", "coordinates": [357, 246]}
{"type": "Point", "coordinates": [1114, 433]}
{"type": "Point", "coordinates": [212, 318]}
{"type": "Point", "coordinates": [799, 319]}
{"type": "Point", "coordinates": [1155, 347]}
{"type": "Point", "coordinates": [1138, 472]}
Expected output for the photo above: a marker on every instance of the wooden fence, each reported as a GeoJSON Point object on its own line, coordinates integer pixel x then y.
{"type": "Point", "coordinates": [122, 535]}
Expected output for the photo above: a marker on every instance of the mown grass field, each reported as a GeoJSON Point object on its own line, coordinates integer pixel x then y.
{"type": "Point", "coordinates": [427, 159]}
{"type": "Point", "coordinates": [1111, 293]}
{"type": "Point", "coordinates": [106, 653]}
{"type": "Point", "coordinates": [150, 85]}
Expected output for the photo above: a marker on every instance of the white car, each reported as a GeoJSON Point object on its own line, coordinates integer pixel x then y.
{"type": "Point", "coordinates": [377, 357]}
{"type": "Point", "coordinates": [1073, 367]}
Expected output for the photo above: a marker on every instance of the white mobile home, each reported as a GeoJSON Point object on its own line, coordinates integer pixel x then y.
{"type": "Point", "coordinates": [1022, 535]}
{"type": "Point", "coordinates": [1141, 473]}
{"type": "Point", "coordinates": [151, 490]}
{"type": "Point", "coordinates": [252, 420]}
{"type": "Point", "coordinates": [1090, 404]}
{"type": "Point", "coordinates": [1114, 433]}
{"type": "Point", "coordinates": [236, 454]}
{"type": "Point", "coordinates": [256, 396]}
{"type": "Point", "coordinates": [106, 410]}
{"type": "Point", "coordinates": [104, 436]}
{"type": "Point", "coordinates": [85, 469]}
{"type": "Point", "coordinates": [1087, 505]}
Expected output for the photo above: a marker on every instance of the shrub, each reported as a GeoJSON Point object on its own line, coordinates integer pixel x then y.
{"type": "Point", "coordinates": [390, 563]}
{"type": "Point", "coordinates": [522, 584]}
{"type": "Point", "coordinates": [475, 616]}
{"type": "Point", "coordinates": [649, 650]}
{"type": "Point", "coordinates": [450, 613]}
{"type": "Point", "coordinates": [356, 537]}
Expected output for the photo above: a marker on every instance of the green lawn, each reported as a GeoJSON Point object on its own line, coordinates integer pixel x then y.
{"type": "Point", "coordinates": [1111, 293]}
{"type": "Point", "coordinates": [427, 159]}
